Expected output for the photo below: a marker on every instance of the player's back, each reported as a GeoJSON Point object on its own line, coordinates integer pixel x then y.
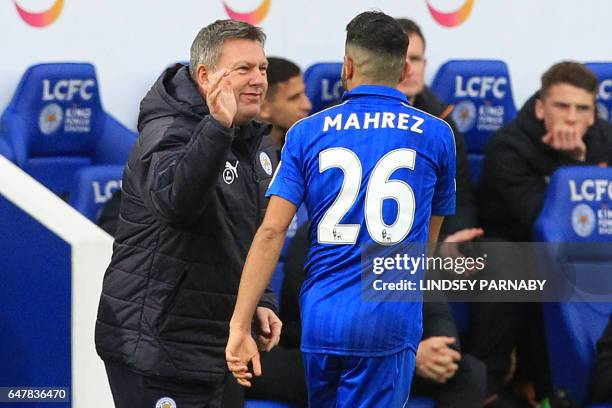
{"type": "Point", "coordinates": [371, 168]}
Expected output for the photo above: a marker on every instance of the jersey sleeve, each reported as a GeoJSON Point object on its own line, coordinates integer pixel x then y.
{"type": "Point", "coordinates": [288, 181]}
{"type": "Point", "coordinates": [443, 202]}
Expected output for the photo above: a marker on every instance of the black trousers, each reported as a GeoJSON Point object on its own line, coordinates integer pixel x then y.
{"type": "Point", "coordinates": [466, 389]}
{"type": "Point", "coordinates": [133, 390]}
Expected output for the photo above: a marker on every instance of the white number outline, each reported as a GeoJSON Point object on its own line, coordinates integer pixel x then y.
{"type": "Point", "coordinates": [409, 201]}
{"type": "Point", "coordinates": [330, 222]}
{"type": "Point", "coordinates": [325, 234]}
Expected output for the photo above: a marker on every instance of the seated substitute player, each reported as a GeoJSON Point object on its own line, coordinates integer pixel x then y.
{"type": "Point", "coordinates": [286, 101]}
{"type": "Point", "coordinates": [344, 163]}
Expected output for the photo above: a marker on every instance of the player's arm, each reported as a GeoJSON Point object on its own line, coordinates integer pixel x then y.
{"type": "Point", "coordinates": [435, 224]}
{"type": "Point", "coordinates": [256, 274]}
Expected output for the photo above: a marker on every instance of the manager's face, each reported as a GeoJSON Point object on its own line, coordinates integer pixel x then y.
{"type": "Point", "coordinates": [247, 64]}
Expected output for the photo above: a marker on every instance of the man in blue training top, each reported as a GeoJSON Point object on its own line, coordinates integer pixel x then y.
{"type": "Point", "coordinates": [371, 170]}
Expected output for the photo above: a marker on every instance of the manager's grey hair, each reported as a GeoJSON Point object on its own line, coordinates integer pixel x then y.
{"type": "Point", "coordinates": [206, 47]}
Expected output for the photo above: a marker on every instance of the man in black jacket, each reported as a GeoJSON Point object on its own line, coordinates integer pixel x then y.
{"type": "Point", "coordinates": [465, 219]}
{"type": "Point", "coordinates": [463, 379]}
{"type": "Point", "coordinates": [193, 197]}
{"type": "Point", "coordinates": [556, 127]}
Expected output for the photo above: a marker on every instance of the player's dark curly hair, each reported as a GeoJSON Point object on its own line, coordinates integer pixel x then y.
{"type": "Point", "coordinates": [383, 39]}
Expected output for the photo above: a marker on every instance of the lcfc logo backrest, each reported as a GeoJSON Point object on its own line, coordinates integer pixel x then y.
{"type": "Point", "coordinates": [68, 89]}
{"type": "Point", "coordinates": [603, 72]}
{"type": "Point", "coordinates": [323, 84]}
{"type": "Point", "coordinates": [60, 104]}
{"type": "Point", "coordinates": [481, 93]}
{"type": "Point", "coordinates": [481, 87]}
{"type": "Point", "coordinates": [590, 190]}
{"type": "Point", "coordinates": [103, 191]}
{"type": "Point", "coordinates": [605, 90]}
{"type": "Point", "coordinates": [604, 99]}
{"type": "Point", "coordinates": [67, 105]}
{"type": "Point", "coordinates": [330, 91]}
{"type": "Point", "coordinates": [590, 198]}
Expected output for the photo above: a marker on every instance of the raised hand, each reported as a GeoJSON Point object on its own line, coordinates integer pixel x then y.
{"type": "Point", "coordinates": [220, 97]}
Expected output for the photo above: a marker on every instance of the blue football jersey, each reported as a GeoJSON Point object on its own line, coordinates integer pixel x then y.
{"type": "Point", "coordinates": [371, 170]}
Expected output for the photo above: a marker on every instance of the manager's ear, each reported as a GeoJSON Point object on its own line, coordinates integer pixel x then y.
{"type": "Point", "coordinates": [202, 74]}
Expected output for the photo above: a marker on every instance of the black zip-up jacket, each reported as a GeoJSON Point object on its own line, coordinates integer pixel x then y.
{"type": "Point", "coordinates": [193, 197]}
{"type": "Point", "coordinates": [517, 168]}
{"type": "Point", "coordinates": [466, 215]}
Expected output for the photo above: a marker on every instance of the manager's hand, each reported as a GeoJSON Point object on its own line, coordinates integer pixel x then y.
{"type": "Point", "coordinates": [241, 350]}
{"type": "Point", "coordinates": [268, 328]}
{"type": "Point", "coordinates": [220, 97]}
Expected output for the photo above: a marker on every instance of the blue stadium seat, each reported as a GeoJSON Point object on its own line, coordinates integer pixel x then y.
{"type": "Point", "coordinates": [603, 72]}
{"type": "Point", "coordinates": [5, 150]}
{"type": "Point", "coordinates": [575, 212]}
{"type": "Point", "coordinates": [481, 92]}
{"type": "Point", "coordinates": [55, 125]}
{"type": "Point", "coordinates": [323, 84]}
{"type": "Point", "coordinates": [93, 186]}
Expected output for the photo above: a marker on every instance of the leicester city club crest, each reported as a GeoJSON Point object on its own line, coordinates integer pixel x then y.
{"type": "Point", "coordinates": [583, 220]}
{"type": "Point", "coordinates": [50, 118]}
{"type": "Point", "coordinates": [165, 402]}
{"type": "Point", "coordinates": [266, 163]}
{"type": "Point", "coordinates": [464, 115]}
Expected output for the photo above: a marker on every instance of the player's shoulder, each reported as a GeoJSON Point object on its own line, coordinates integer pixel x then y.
{"type": "Point", "coordinates": [431, 120]}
